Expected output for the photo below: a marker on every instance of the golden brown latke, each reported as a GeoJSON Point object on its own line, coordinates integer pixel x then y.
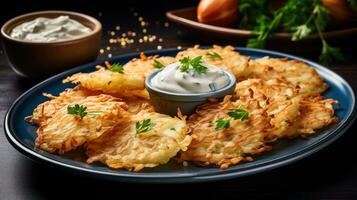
{"type": "Point", "coordinates": [315, 113]}
{"type": "Point", "coordinates": [107, 81]}
{"type": "Point", "coordinates": [136, 105]}
{"type": "Point", "coordinates": [291, 114]}
{"type": "Point", "coordinates": [123, 148]}
{"type": "Point", "coordinates": [145, 64]}
{"type": "Point", "coordinates": [280, 99]}
{"type": "Point", "coordinates": [64, 132]}
{"type": "Point", "coordinates": [297, 72]}
{"type": "Point", "coordinates": [230, 59]}
{"type": "Point", "coordinates": [229, 145]}
{"type": "Point", "coordinates": [127, 84]}
{"type": "Point", "coordinates": [47, 109]}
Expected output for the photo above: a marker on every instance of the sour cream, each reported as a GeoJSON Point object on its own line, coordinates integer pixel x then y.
{"type": "Point", "coordinates": [171, 79]}
{"type": "Point", "coordinates": [44, 29]}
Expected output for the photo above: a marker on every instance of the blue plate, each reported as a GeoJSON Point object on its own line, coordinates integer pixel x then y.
{"type": "Point", "coordinates": [22, 135]}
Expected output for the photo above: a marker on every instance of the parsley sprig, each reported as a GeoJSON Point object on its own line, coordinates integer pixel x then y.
{"type": "Point", "coordinates": [158, 65]}
{"type": "Point", "coordinates": [144, 126]}
{"type": "Point", "coordinates": [77, 110]}
{"type": "Point", "coordinates": [238, 114]}
{"type": "Point", "coordinates": [117, 68]}
{"type": "Point", "coordinates": [223, 123]}
{"type": "Point", "coordinates": [213, 55]}
{"type": "Point", "coordinates": [80, 110]}
{"type": "Point", "coordinates": [195, 63]}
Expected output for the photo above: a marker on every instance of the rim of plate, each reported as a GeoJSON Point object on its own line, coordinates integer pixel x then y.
{"type": "Point", "coordinates": [162, 177]}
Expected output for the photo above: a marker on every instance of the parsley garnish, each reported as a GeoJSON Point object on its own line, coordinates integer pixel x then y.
{"type": "Point", "coordinates": [213, 55]}
{"type": "Point", "coordinates": [77, 110]}
{"type": "Point", "coordinates": [158, 64]}
{"type": "Point", "coordinates": [184, 64]}
{"type": "Point", "coordinates": [195, 63]}
{"type": "Point", "coordinates": [222, 123]}
{"type": "Point", "coordinates": [238, 114]}
{"type": "Point", "coordinates": [117, 68]}
{"type": "Point", "coordinates": [143, 127]}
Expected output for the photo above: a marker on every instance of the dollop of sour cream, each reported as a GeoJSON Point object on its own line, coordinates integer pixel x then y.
{"type": "Point", "coordinates": [172, 79]}
{"type": "Point", "coordinates": [44, 29]}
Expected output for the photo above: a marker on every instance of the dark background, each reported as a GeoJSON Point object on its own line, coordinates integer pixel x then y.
{"type": "Point", "coordinates": [328, 174]}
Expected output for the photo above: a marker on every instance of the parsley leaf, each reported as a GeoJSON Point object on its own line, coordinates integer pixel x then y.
{"type": "Point", "coordinates": [145, 126]}
{"type": "Point", "coordinates": [77, 110]}
{"type": "Point", "coordinates": [117, 68]}
{"type": "Point", "coordinates": [239, 114]}
{"type": "Point", "coordinates": [213, 55]}
{"type": "Point", "coordinates": [353, 4]}
{"type": "Point", "coordinates": [221, 123]}
{"type": "Point", "coordinates": [301, 32]}
{"type": "Point", "coordinates": [184, 64]}
{"type": "Point", "coordinates": [158, 64]}
{"type": "Point", "coordinates": [195, 63]}
{"type": "Point", "coordinates": [328, 54]}
{"type": "Point", "coordinates": [250, 10]}
{"type": "Point", "coordinates": [264, 32]}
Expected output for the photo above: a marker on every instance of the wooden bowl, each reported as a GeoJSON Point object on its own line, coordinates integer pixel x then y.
{"type": "Point", "coordinates": [39, 59]}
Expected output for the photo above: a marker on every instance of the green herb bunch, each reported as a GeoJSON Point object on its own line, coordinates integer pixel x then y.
{"type": "Point", "coordinates": [300, 17]}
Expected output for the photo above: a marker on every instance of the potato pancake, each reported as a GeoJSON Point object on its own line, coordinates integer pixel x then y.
{"type": "Point", "coordinates": [125, 148]}
{"type": "Point", "coordinates": [226, 58]}
{"type": "Point", "coordinates": [147, 64]}
{"type": "Point", "coordinates": [280, 99]}
{"type": "Point", "coordinates": [291, 114]}
{"type": "Point", "coordinates": [107, 81]}
{"type": "Point", "coordinates": [136, 105]}
{"type": "Point", "coordinates": [47, 109]}
{"type": "Point", "coordinates": [316, 113]}
{"type": "Point", "coordinates": [298, 73]}
{"type": "Point", "coordinates": [64, 132]}
{"type": "Point", "coordinates": [229, 145]}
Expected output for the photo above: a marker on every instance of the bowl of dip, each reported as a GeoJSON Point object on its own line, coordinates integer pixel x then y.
{"type": "Point", "coordinates": [43, 43]}
{"type": "Point", "coordinates": [185, 86]}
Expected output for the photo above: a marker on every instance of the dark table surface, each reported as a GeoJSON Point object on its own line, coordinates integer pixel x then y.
{"type": "Point", "coordinates": [328, 174]}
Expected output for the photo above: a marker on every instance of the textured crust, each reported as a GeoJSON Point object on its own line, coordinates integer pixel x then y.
{"type": "Point", "coordinates": [107, 81]}
{"type": "Point", "coordinates": [296, 72]}
{"type": "Point", "coordinates": [230, 145]}
{"type": "Point", "coordinates": [291, 113]}
{"type": "Point", "coordinates": [64, 132]}
{"type": "Point", "coordinates": [122, 148]}
{"type": "Point", "coordinates": [47, 109]}
{"type": "Point", "coordinates": [231, 60]}
{"type": "Point", "coordinates": [316, 113]}
{"type": "Point", "coordinates": [145, 64]}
